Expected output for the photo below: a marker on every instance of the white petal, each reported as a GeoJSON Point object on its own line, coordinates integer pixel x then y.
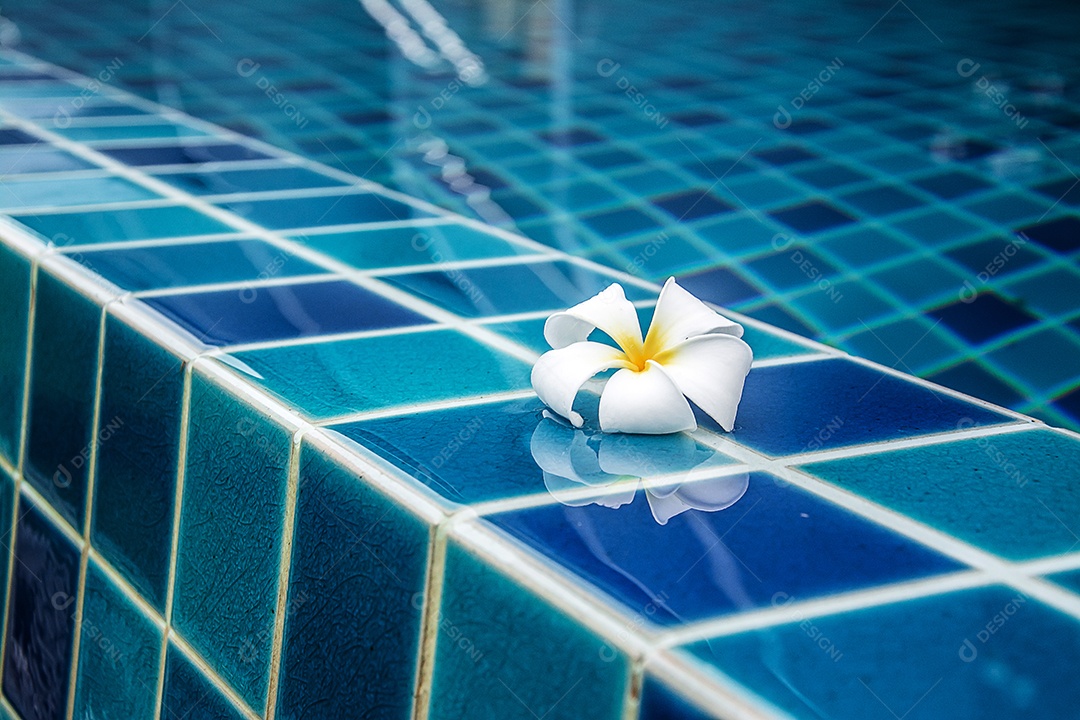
{"type": "Point", "coordinates": [609, 311]}
{"type": "Point", "coordinates": [679, 315]}
{"type": "Point", "coordinates": [559, 374]}
{"type": "Point", "coordinates": [708, 496]}
{"type": "Point", "coordinates": [710, 370]}
{"type": "Point", "coordinates": [645, 402]}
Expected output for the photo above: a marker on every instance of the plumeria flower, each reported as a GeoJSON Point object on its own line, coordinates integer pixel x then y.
{"type": "Point", "coordinates": [690, 351]}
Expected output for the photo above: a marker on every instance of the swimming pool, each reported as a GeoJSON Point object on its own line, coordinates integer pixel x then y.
{"type": "Point", "coordinates": [898, 184]}
{"type": "Point", "coordinates": [268, 446]}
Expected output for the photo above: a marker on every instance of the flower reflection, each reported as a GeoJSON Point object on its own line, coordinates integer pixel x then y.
{"type": "Point", "coordinates": [676, 468]}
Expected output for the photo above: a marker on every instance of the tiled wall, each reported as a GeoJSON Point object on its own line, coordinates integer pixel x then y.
{"type": "Point", "coordinates": [268, 449]}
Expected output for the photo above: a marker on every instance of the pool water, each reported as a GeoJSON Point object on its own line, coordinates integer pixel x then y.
{"type": "Point", "coordinates": [898, 181]}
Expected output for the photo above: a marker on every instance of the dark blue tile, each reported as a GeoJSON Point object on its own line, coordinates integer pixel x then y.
{"type": "Point", "coordinates": [233, 503]}
{"type": "Point", "coordinates": [698, 118]}
{"type": "Point", "coordinates": [13, 136]}
{"type": "Point", "coordinates": [168, 266]}
{"type": "Point", "coordinates": [250, 314]}
{"type": "Point", "coordinates": [967, 654]}
{"type": "Point", "coordinates": [347, 646]}
{"type": "Point", "coordinates": [781, 317]}
{"type": "Point", "coordinates": [222, 182]}
{"type": "Point", "coordinates": [189, 695]}
{"type": "Point", "coordinates": [7, 509]}
{"type": "Point", "coordinates": [995, 257]}
{"type": "Point", "coordinates": [721, 285]}
{"type": "Point", "coordinates": [478, 292]}
{"type": "Point", "coordinates": [692, 205]}
{"type": "Point", "coordinates": [812, 217]}
{"type": "Point", "coordinates": [785, 155]}
{"type": "Point", "coordinates": [1061, 235]}
{"type": "Point", "coordinates": [735, 543]}
{"type": "Point", "coordinates": [789, 409]}
{"type": "Point", "coordinates": [830, 175]}
{"type": "Point", "coordinates": [496, 450]}
{"type": "Point", "coordinates": [658, 702]}
{"type": "Point", "coordinates": [139, 432]}
{"type": "Point", "coordinates": [41, 617]}
{"type": "Point", "coordinates": [985, 317]}
{"type": "Point", "coordinates": [63, 379]}
{"type": "Point", "coordinates": [119, 654]}
{"type": "Point", "coordinates": [14, 327]}
{"type": "Point", "coordinates": [323, 210]}
{"type": "Point", "coordinates": [182, 154]}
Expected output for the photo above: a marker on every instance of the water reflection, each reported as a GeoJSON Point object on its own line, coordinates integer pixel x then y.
{"type": "Point", "coordinates": [676, 468]}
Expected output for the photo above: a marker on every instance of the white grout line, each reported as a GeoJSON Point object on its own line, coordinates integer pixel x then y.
{"type": "Point", "coordinates": [327, 339]}
{"type": "Point", "coordinates": [798, 610]}
{"type": "Point", "coordinates": [1049, 566]}
{"type": "Point", "coordinates": [91, 248]}
{"type": "Point", "coordinates": [240, 285]}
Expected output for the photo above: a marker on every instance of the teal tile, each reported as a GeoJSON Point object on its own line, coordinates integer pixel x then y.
{"type": "Point", "coordinates": [335, 378]}
{"type": "Point", "coordinates": [134, 132]}
{"type": "Point", "coordinates": [906, 344]}
{"type": "Point", "coordinates": [1044, 359]}
{"type": "Point", "coordinates": [14, 323]}
{"type": "Point", "coordinates": [502, 652]}
{"type": "Point", "coordinates": [7, 507]}
{"type": "Point", "coordinates": [661, 255]}
{"type": "Point", "coordinates": [739, 234]}
{"type": "Point", "coordinates": [189, 695]}
{"type": "Point", "coordinates": [424, 245]}
{"type": "Point", "coordinates": [119, 654]}
{"type": "Point", "coordinates": [983, 653]}
{"type": "Point", "coordinates": [918, 281]}
{"type": "Point", "coordinates": [101, 226]}
{"type": "Point", "coordinates": [1043, 290]}
{"type": "Point", "coordinates": [1013, 494]}
{"type": "Point", "coordinates": [1069, 579]}
{"type": "Point", "coordinates": [356, 589]}
{"type": "Point", "coordinates": [862, 247]}
{"type": "Point", "coordinates": [63, 379]}
{"type": "Point", "coordinates": [231, 530]}
{"type": "Point", "coordinates": [839, 304]}
{"type": "Point", "coordinates": [139, 431]}
{"type": "Point", "coordinates": [25, 193]}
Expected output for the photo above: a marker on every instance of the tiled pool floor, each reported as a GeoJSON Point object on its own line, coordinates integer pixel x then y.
{"type": "Point", "coordinates": [898, 180]}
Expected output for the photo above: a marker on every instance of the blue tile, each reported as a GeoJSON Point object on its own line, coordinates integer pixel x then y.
{"type": "Point", "coordinates": [234, 503]}
{"type": "Point", "coordinates": [620, 222]}
{"type": "Point", "coordinates": [721, 285]}
{"type": "Point", "coordinates": [7, 509]}
{"type": "Point", "coordinates": [219, 181]}
{"type": "Point", "coordinates": [14, 136]}
{"type": "Point", "coordinates": [169, 266]}
{"type": "Point", "coordinates": [142, 390]}
{"type": "Point", "coordinates": [812, 217]}
{"type": "Point", "coordinates": [882, 199]}
{"type": "Point", "coordinates": [443, 450]}
{"type": "Point", "coordinates": [187, 693]}
{"type": "Point", "coordinates": [63, 380]}
{"type": "Point", "coordinates": [983, 317]}
{"type": "Point", "coordinates": [16, 194]}
{"type": "Point", "coordinates": [15, 161]}
{"type": "Point", "coordinates": [788, 409]}
{"type": "Point", "coordinates": [700, 549]}
{"type": "Point", "coordinates": [119, 654]}
{"type": "Point", "coordinates": [347, 646]}
{"type": "Point", "coordinates": [14, 326]}
{"type": "Point", "coordinates": [100, 226]}
{"type": "Point", "coordinates": [501, 290]}
{"type": "Point", "coordinates": [790, 267]}
{"type": "Point", "coordinates": [1060, 234]}
{"type": "Point", "coordinates": [494, 634]}
{"type": "Point", "coordinates": [691, 205]}
{"type": "Point", "coordinates": [952, 184]}
{"type": "Point", "coordinates": [41, 617]}
{"type": "Point", "coordinates": [254, 314]}
{"type": "Point", "coordinates": [659, 702]}
{"type": "Point", "coordinates": [394, 247]}
{"type": "Point", "coordinates": [183, 154]}
{"type": "Point", "coordinates": [335, 378]}
{"type": "Point", "coordinates": [323, 210]}
{"type": "Point", "coordinates": [1069, 579]}
{"type": "Point", "coordinates": [965, 654]}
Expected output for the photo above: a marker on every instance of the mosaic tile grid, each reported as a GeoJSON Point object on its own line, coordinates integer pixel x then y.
{"type": "Point", "coordinates": [900, 184]}
{"type": "Point", "coordinates": [457, 566]}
